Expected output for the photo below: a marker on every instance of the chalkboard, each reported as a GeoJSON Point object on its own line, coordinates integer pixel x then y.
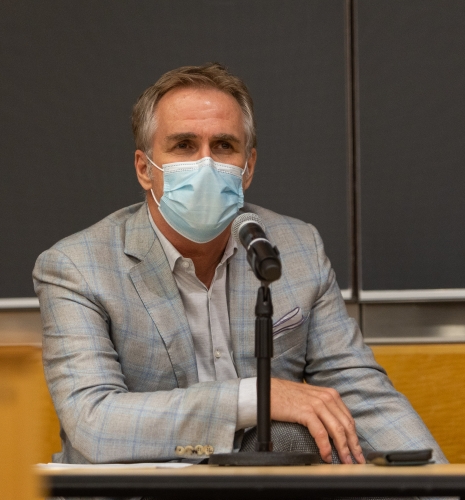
{"type": "Point", "coordinates": [411, 81]}
{"type": "Point", "coordinates": [71, 72]}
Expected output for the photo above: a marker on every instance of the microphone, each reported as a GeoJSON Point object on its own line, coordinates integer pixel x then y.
{"type": "Point", "coordinates": [249, 230]}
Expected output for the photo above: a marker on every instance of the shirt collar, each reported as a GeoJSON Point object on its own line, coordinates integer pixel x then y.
{"type": "Point", "coordinates": [173, 255]}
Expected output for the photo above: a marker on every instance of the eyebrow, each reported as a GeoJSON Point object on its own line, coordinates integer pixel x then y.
{"type": "Point", "coordinates": [226, 137]}
{"type": "Point", "coordinates": [190, 135]}
{"type": "Point", "coordinates": [181, 137]}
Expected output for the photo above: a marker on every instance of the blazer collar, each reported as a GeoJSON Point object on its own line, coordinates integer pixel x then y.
{"type": "Point", "coordinates": [155, 284]}
{"type": "Point", "coordinates": [139, 235]}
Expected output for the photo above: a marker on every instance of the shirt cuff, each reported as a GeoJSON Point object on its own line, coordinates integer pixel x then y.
{"type": "Point", "coordinates": [247, 403]}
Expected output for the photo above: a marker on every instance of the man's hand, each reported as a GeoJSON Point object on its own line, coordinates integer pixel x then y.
{"type": "Point", "coordinates": [324, 414]}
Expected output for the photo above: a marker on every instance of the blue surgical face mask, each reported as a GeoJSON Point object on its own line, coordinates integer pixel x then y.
{"type": "Point", "coordinates": [200, 198]}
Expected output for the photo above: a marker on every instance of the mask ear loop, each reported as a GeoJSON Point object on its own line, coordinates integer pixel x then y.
{"type": "Point", "coordinates": [245, 169]}
{"type": "Point", "coordinates": [151, 190]}
{"type": "Point", "coordinates": [154, 199]}
{"type": "Point", "coordinates": [154, 164]}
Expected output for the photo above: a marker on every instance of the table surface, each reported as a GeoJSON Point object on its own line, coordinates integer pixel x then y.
{"type": "Point", "coordinates": [207, 482]}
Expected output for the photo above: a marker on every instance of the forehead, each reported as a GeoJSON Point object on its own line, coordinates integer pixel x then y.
{"type": "Point", "coordinates": [199, 109]}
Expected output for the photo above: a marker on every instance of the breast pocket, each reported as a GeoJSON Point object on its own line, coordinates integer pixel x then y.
{"type": "Point", "coordinates": [290, 321]}
{"type": "Point", "coordinates": [289, 347]}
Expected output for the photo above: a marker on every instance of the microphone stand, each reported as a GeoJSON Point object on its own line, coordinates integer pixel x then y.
{"type": "Point", "coordinates": [264, 353]}
{"type": "Point", "coordinates": [264, 454]}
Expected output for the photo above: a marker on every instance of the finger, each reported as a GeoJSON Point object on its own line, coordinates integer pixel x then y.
{"type": "Point", "coordinates": [347, 421]}
{"type": "Point", "coordinates": [352, 439]}
{"type": "Point", "coordinates": [335, 422]}
{"type": "Point", "coordinates": [318, 431]}
{"type": "Point", "coordinates": [335, 429]}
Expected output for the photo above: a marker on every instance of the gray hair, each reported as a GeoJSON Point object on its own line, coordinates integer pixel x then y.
{"type": "Point", "coordinates": [214, 75]}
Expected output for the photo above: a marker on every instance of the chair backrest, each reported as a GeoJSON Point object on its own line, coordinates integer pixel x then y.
{"type": "Point", "coordinates": [432, 376]}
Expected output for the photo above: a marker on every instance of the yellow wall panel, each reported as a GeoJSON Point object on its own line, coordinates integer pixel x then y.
{"type": "Point", "coordinates": [432, 376]}
{"type": "Point", "coordinates": [21, 430]}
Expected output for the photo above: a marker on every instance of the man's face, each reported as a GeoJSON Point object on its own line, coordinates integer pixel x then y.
{"type": "Point", "coordinates": [193, 123]}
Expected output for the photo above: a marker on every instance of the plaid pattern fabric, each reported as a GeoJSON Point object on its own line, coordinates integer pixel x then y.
{"type": "Point", "coordinates": [119, 357]}
{"type": "Point", "coordinates": [288, 437]}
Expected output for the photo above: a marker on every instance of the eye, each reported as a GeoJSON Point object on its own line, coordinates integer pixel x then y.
{"type": "Point", "coordinates": [182, 145]}
{"type": "Point", "coordinates": [223, 147]}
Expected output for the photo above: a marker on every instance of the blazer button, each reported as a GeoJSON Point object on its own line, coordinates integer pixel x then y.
{"type": "Point", "coordinates": [208, 449]}
{"type": "Point", "coordinates": [199, 449]}
{"type": "Point", "coordinates": [188, 450]}
{"type": "Point", "coordinates": [180, 450]}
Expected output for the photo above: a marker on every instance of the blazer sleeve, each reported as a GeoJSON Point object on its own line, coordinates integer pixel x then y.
{"type": "Point", "coordinates": [101, 418]}
{"type": "Point", "coordinates": [337, 357]}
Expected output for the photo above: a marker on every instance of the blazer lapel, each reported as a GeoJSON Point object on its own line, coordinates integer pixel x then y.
{"type": "Point", "coordinates": [155, 284]}
{"type": "Point", "coordinates": [242, 288]}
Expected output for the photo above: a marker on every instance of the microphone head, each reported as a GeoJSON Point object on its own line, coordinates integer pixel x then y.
{"type": "Point", "coordinates": [241, 220]}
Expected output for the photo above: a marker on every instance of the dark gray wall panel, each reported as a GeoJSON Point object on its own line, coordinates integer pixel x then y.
{"type": "Point", "coordinates": [412, 149]}
{"type": "Point", "coordinates": [434, 322]}
{"type": "Point", "coordinates": [71, 72]}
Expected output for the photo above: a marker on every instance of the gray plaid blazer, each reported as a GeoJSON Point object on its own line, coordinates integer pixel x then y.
{"type": "Point", "coordinates": [119, 358]}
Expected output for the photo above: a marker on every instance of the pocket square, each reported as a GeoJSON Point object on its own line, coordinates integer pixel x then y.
{"type": "Point", "coordinates": [289, 321]}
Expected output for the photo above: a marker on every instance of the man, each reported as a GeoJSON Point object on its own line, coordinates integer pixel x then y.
{"type": "Point", "coordinates": [149, 315]}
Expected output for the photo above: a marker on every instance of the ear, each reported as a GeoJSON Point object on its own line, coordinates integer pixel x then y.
{"type": "Point", "coordinates": [248, 176]}
{"type": "Point", "coordinates": [140, 162]}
